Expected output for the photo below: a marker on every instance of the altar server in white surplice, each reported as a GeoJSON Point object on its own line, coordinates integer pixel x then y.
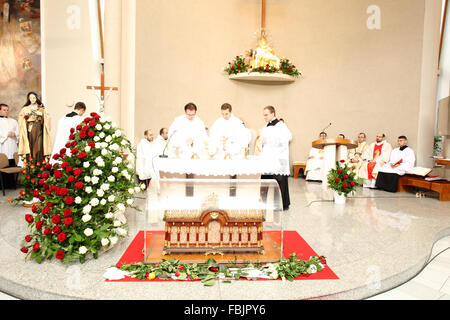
{"type": "Point", "coordinates": [145, 152]}
{"type": "Point", "coordinates": [275, 138]}
{"type": "Point", "coordinates": [161, 141]}
{"type": "Point", "coordinates": [66, 123]}
{"type": "Point", "coordinates": [228, 133]}
{"type": "Point", "coordinates": [402, 160]}
{"type": "Point", "coordinates": [314, 164]}
{"type": "Point", "coordinates": [187, 134]}
{"type": "Point", "coordinates": [9, 133]}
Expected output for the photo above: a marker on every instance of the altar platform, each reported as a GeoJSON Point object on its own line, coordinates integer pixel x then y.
{"type": "Point", "coordinates": [373, 243]}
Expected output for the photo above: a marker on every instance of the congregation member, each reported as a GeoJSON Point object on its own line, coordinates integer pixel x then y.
{"type": "Point", "coordinates": [145, 152]}
{"type": "Point", "coordinates": [228, 133]}
{"type": "Point", "coordinates": [70, 120]}
{"type": "Point", "coordinates": [314, 164]}
{"type": "Point", "coordinates": [275, 138]}
{"type": "Point", "coordinates": [402, 160]}
{"type": "Point", "coordinates": [354, 155]}
{"type": "Point", "coordinates": [188, 133]}
{"type": "Point", "coordinates": [160, 143]}
{"type": "Point", "coordinates": [375, 157]}
{"type": "Point", "coordinates": [9, 138]}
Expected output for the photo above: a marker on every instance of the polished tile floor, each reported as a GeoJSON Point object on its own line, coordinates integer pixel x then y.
{"type": "Point", "coordinates": [377, 244]}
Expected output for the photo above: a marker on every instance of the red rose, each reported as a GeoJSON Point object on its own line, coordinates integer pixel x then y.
{"type": "Point", "coordinates": [69, 200]}
{"type": "Point", "coordinates": [36, 247]}
{"type": "Point", "coordinates": [39, 224]}
{"type": "Point", "coordinates": [72, 130]}
{"type": "Point", "coordinates": [59, 255]}
{"type": "Point", "coordinates": [92, 123]}
{"type": "Point", "coordinates": [56, 156]}
{"type": "Point", "coordinates": [62, 191]}
{"type": "Point", "coordinates": [337, 180]}
{"type": "Point", "coordinates": [49, 204]}
{"type": "Point", "coordinates": [29, 218]}
{"type": "Point", "coordinates": [68, 221]}
{"type": "Point", "coordinates": [342, 161]}
{"type": "Point", "coordinates": [48, 166]}
{"type": "Point", "coordinates": [73, 144]}
{"type": "Point", "coordinates": [345, 176]}
{"type": "Point", "coordinates": [77, 172]}
{"type": "Point", "coordinates": [35, 193]}
{"type": "Point", "coordinates": [68, 144]}
{"type": "Point", "coordinates": [47, 231]}
{"type": "Point", "coordinates": [344, 185]}
{"type": "Point", "coordinates": [79, 185]}
{"type": "Point", "coordinates": [63, 151]}
{"type": "Point", "coordinates": [45, 186]}
{"type": "Point", "coordinates": [41, 198]}
{"type": "Point", "coordinates": [74, 151]}
{"type": "Point", "coordinates": [41, 181]}
{"type": "Point", "coordinates": [47, 192]}
{"type": "Point", "coordinates": [28, 238]}
{"type": "Point", "coordinates": [82, 155]}
{"type": "Point", "coordinates": [45, 210]}
{"type": "Point", "coordinates": [56, 229]}
{"type": "Point", "coordinates": [177, 274]}
{"type": "Point", "coordinates": [352, 183]}
{"type": "Point", "coordinates": [91, 133]}
{"type": "Point", "coordinates": [62, 237]}
{"type": "Point", "coordinates": [71, 179]}
{"type": "Point", "coordinates": [83, 135]}
{"type": "Point", "coordinates": [214, 269]}
{"type": "Point", "coordinates": [91, 144]}
{"type": "Point", "coordinates": [67, 213]}
{"type": "Point", "coordinates": [34, 208]}
{"type": "Point", "coordinates": [181, 267]}
{"type": "Point", "coordinates": [24, 250]}
{"type": "Point", "coordinates": [57, 174]}
{"type": "Point", "coordinates": [339, 170]}
{"type": "Point", "coordinates": [78, 127]}
{"type": "Point", "coordinates": [71, 137]}
{"type": "Point", "coordinates": [85, 128]}
{"type": "Point", "coordinates": [86, 120]}
{"type": "Point", "coordinates": [56, 219]}
{"type": "Point", "coordinates": [45, 175]}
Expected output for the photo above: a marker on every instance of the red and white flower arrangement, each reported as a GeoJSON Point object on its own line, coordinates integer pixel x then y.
{"type": "Point", "coordinates": [84, 196]}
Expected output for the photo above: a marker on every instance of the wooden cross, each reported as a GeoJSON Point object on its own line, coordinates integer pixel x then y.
{"type": "Point", "coordinates": [263, 17]}
{"type": "Point", "coordinates": [102, 87]}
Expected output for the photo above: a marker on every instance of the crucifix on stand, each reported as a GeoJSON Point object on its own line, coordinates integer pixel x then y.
{"type": "Point", "coordinates": [101, 97]}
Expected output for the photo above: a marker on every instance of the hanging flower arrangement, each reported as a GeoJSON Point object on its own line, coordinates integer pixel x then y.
{"type": "Point", "coordinates": [83, 196]}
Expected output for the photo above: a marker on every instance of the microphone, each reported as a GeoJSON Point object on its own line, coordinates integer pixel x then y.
{"type": "Point", "coordinates": [168, 140]}
{"type": "Point", "coordinates": [323, 130]}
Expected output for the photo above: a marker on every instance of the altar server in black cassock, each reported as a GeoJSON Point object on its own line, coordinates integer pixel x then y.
{"type": "Point", "coordinates": [275, 138]}
{"type": "Point", "coordinates": [401, 161]}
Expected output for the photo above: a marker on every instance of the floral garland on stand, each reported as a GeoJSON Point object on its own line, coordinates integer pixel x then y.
{"type": "Point", "coordinates": [240, 65]}
{"type": "Point", "coordinates": [83, 196]}
{"type": "Point", "coordinates": [210, 271]}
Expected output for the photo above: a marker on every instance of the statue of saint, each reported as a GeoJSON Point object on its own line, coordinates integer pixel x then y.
{"type": "Point", "coordinates": [264, 55]}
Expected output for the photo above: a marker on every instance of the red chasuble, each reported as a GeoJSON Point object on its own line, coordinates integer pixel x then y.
{"type": "Point", "coordinates": [371, 165]}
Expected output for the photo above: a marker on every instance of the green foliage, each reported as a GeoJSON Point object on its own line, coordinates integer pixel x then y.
{"type": "Point", "coordinates": [238, 65]}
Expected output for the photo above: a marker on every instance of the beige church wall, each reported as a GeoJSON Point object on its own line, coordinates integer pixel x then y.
{"type": "Point", "coordinates": [356, 78]}
{"type": "Point", "coordinates": [68, 60]}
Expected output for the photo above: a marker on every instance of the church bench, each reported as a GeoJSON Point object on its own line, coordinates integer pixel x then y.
{"type": "Point", "coordinates": [441, 187]}
{"type": "Point", "coordinates": [299, 165]}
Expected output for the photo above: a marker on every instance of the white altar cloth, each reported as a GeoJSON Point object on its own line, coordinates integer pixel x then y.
{"type": "Point", "coordinates": [253, 166]}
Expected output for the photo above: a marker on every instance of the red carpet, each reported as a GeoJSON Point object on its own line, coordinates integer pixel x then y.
{"type": "Point", "coordinates": [293, 243]}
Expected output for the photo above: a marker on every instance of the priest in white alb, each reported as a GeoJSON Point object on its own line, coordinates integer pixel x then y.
{"type": "Point", "coordinates": [9, 133]}
{"type": "Point", "coordinates": [314, 164]}
{"type": "Point", "coordinates": [160, 142]}
{"type": "Point", "coordinates": [402, 160]}
{"type": "Point", "coordinates": [145, 154]}
{"type": "Point", "coordinates": [375, 157]}
{"type": "Point", "coordinates": [187, 134]}
{"type": "Point", "coordinates": [65, 124]}
{"type": "Point", "coordinates": [228, 135]}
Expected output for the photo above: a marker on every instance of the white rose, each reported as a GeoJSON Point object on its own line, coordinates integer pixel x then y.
{"type": "Point", "coordinates": [131, 191]}
{"type": "Point", "coordinates": [105, 242]}
{"type": "Point", "coordinates": [124, 142]}
{"type": "Point", "coordinates": [95, 180]}
{"type": "Point", "coordinates": [115, 170]}
{"type": "Point", "coordinates": [108, 139]}
{"type": "Point", "coordinates": [117, 223]}
{"type": "Point", "coordinates": [87, 209]}
{"type": "Point", "coordinates": [87, 149]}
{"type": "Point", "coordinates": [114, 240]}
{"type": "Point", "coordinates": [121, 231]}
{"type": "Point", "coordinates": [143, 186]}
{"type": "Point", "coordinates": [104, 152]}
{"type": "Point", "coordinates": [98, 159]}
{"type": "Point", "coordinates": [111, 198]}
{"type": "Point", "coordinates": [118, 133]}
{"type": "Point", "coordinates": [94, 202]}
{"type": "Point", "coordinates": [98, 126]}
{"type": "Point", "coordinates": [77, 200]}
{"type": "Point", "coordinates": [102, 135]}
{"type": "Point", "coordinates": [86, 218]}
{"type": "Point", "coordinates": [107, 126]}
{"type": "Point", "coordinates": [109, 215]}
{"type": "Point", "coordinates": [111, 179]}
{"type": "Point", "coordinates": [130, 166]}
{"type": "Point", "coordinates": [97, 172]}
{"type": "Point", "coordinates": [137, 189]}
{"type": "Point", "coordinates": [118, 160]}
{"type": "Point", "coordinates": [96, 139]}
{"type": "Point", "coordinates": [100, 193]}
{"type": "Point", "coordinates": [103, 202]}
{"type": "Point", "coordinates": [88, 189]}
{"type": "Point", "coordinates": [121, 207]}
{"type": "Point", "coordinates": [114, 147]}
{"type": "Point", "coordinates": [130, 202]}
{"type": "Point", "coordinates": [86, 164]}
{"type": "Point", "coordinates": [104, 145]}
{"type": "Point", "coordinates": [87, 179]}
{"type": "Point", "coordinates": [88, 232]}
{"type": "Point", "coordinates": [82, 250]}
{"type": "Point", "coordinates": [105, 187]}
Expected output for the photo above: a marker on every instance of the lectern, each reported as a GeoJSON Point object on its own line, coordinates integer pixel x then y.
{"type": "Point", "coordinates": [334, 150]}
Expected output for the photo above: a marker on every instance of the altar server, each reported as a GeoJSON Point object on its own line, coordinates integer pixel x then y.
{"type": "Point", "coordinates": [145, 152]}
{"type": "Point", "coordinates": [402, 160]}
{"type": "Point", "coordinates": [9, 133]}
{"type": "Point", "coordinates": [275, 138]}
{"type": "Point", "coordinates": [70, 120]}
{"type": "Point", "coordinates": [376, 156]}
{"type": "Point", "coordinates": [187, 133]}
{"type": "Point", "coordinates": [160, 142]}
{"type": "Point", "coordinates": [228, 133]}
{"type": "Point", "coordinates": [314, 164]}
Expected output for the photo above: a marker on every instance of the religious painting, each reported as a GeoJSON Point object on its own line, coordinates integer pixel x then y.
{"type": "Point", "coordinates": [20, 52]}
